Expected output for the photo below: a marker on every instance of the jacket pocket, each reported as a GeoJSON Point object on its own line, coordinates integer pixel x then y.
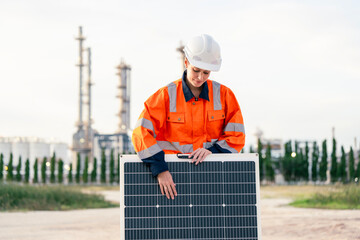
{"type": "Point", "coordinates": [175, 127]}
{"type": "Point", "coordinates": [214, 115]}
{"type": "Point", "coordinates": [215, 124]}
{"type": "Point", "coordinates": [175, 117]}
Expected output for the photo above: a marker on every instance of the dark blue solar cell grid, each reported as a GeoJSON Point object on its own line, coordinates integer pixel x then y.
{"type": "Point", "coordinates": [216, 200]}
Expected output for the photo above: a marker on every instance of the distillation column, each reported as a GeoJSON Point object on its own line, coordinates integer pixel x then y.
{"type": "Point", "coordinates": [81, 65]}
{"type": "Point", "coordinates": [89, 131]}
{"type": "Point", "coordinates": [82, 137]}
{"type": "Point", "coordinates": [124, 108]}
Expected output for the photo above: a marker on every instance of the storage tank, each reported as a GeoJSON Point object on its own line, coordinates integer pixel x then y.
{"type": "Point", "coordinates": [61, 151]}
{"type": "Point", "coordinates": [20, 147]}
{"type": "Point", "coordinates": [5, 150]}
{"type": "Point", "coordinates": [37, 149]}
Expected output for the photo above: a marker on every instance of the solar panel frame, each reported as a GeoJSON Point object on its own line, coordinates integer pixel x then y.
{"type": "Point", "coordinates": [171, 158]}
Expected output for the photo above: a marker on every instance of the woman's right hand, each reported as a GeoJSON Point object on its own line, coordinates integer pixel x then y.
{"type": "Point", "coordinates": [167, 185]}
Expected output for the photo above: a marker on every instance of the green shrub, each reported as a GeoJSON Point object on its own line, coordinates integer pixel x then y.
{"type": "Point", "coordinates": [60, 171]}
{"type": "Point", "coordinates": [27, 171]}
{"type": "Point", "coordinates": [18, 171]}
{"type": "Point", "coordinates": [36, 178]}
{"type": "Point", "coordinates": [85, 171]}
{"type": "Point", "coordinates": [346, 197]}
{"type": "Point", "coordinates": [27, 197]}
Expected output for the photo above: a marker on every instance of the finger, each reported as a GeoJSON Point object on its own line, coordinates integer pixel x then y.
{"type": "Point", "coordinates": [205, 155]}
{"type": "Point", "coordinates": [162, 189]}
{"type": "Point", "coordinates": [170, 192]}
{"type": "Point", "coordinates": [174, 189]}
{"type": "Point", "coordinates": [196, 155]}
{"type": "Point", "coordinates": [166, 190]}
{"type": "Point", "coordinates": [201, 157]}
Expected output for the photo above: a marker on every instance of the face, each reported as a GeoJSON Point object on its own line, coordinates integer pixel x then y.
{"type": "Point", "coordinates": [196, 76]}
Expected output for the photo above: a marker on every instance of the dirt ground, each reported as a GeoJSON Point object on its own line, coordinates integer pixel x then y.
{"type": "Point", "coordinates": [279, 222]}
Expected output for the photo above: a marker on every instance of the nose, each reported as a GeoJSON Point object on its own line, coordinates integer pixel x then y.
{"type": "Point", "coordinates": [201, 76]}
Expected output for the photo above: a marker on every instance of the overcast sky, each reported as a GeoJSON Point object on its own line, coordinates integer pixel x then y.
{"type": "Point", "coordinates": [294, 66]}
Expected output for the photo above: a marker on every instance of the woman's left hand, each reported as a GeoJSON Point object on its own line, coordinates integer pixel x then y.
{"type": "Point", "coordinates": [199, 155]}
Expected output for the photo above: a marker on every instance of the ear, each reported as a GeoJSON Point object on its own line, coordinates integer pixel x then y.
{"type": "Point", "coordinates": [186, 62]}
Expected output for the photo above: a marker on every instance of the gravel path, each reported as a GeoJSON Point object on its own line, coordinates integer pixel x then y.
{"type": "Point", "coordinates": [282, 222]}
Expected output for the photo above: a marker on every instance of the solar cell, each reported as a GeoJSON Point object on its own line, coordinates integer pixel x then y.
{"type": "Point", "coordinates": [217, 199]}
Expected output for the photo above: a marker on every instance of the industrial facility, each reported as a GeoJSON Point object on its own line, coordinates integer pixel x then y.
{"type": "Point", "coordinates": [88, 142]}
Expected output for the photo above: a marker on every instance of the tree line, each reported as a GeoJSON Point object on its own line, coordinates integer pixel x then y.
{"type": "Point", "coordinates": [296, 164]}
{"type": "Point", "coordinates": [55, 173]}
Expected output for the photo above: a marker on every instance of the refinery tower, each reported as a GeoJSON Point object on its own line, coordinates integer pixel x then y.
{"type": "Point", "coordinates": [87, 142]}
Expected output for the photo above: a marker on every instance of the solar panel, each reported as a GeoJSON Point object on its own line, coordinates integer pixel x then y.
{"type": "Point", "coordinates": [217, 199]}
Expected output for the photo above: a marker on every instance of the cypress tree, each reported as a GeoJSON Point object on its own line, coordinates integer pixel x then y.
{"type": "Point", "coordinates": [1, 167]}
{"type": "Point", "coordinates": [351, 165]}
{"type": "Point", "coordinates": [103, 167]}
{"type": "Point", "coordinates": [36, 178]}
{"type": "Point", "coordinates": [9, 175]}
{"type": "Point", "coordinates": [287, 168]}
{"type": "Point", "coordinates": [341, 171]}
{"type": "Point", "coordinates": [299, 159]}
{"type": "Point", "coordinates": [18, 170]}
{"type": "Point", "coordinates": [70, 175]}
{"type": "Point", "coordinates": [77, 175]}
{"type": "Point", "coordinates": [314, 165]}
{"type": "Point", "coordinates": [270, 173]}
{"type": "Point", "coordinates": [112, 167]}
{"type": "Point", "coordinates": [52, 168]}
{"type": "Point", "coordinates": [86, 168]}
{"type": "Point", "coordinates": [118, 169]}
{"type": "Point", "coordinates": [306, 163]}
{"type": "Point", "coordinates": [333, 169]}
{"type": "Point", "coordinates": [261, 159]}
{"type": "Point", "coordinates": [60, 171]}
{"type": "Point", "coordinates": [323, 162]}
{"type": "Point", "coordinates": [43, 170]}
{"type": "Point", "coordinates": [27, 171]}
{"type": "Point", "coordinates": [94, 170]}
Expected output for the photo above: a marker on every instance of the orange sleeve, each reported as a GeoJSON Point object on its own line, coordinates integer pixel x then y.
{"type": "Point", "coordinates": [233, 136]}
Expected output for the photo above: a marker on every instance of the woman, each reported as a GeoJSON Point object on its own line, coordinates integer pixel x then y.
{"type": "Point", "coordinates": [190, 115]}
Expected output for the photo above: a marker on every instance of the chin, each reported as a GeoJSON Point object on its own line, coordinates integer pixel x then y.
{"type": "Point", "coordinates": [197, 84]}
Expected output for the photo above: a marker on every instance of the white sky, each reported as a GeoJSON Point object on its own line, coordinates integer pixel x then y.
{"type": "Point", "coordinates": [293, 65]}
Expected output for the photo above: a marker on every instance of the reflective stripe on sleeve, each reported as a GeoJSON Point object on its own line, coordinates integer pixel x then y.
{"type": "Point", "coordinates": [209, 144]}
{"type": "Point", "coordinates": [146, 124]}
{"type": "Point", "coordinates": [224, 145]}
{"type": "Point", "coordinates": [216, 95]}
{"type": "Point", "coordinates": [234, 127]}
{"type": "Point", "coordinates": [151, 151]}
{"type": "Point", "coordinates": [175, 146]}
{"type": "Point", "coordinates": [172, 96]}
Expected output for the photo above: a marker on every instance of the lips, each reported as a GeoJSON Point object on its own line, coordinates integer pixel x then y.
{"type": "Point", "coordinates": [197, 82]}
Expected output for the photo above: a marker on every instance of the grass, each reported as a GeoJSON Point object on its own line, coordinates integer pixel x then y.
{"type": "Point", "coordinates": [341, 197]}
{"type": "Point", "coordinates": [15, 197]}
{"type": "Point", "coordinates": [316, 196]}
{"type": "Point", "coordinates": [293, 191]}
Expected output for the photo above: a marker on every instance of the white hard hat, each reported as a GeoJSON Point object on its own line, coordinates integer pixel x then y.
{"type": "Point", "coordinates": [203, 52]}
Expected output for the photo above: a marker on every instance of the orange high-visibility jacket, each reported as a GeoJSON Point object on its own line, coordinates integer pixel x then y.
{"type": "Point", "coordinates": [174, 121]}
